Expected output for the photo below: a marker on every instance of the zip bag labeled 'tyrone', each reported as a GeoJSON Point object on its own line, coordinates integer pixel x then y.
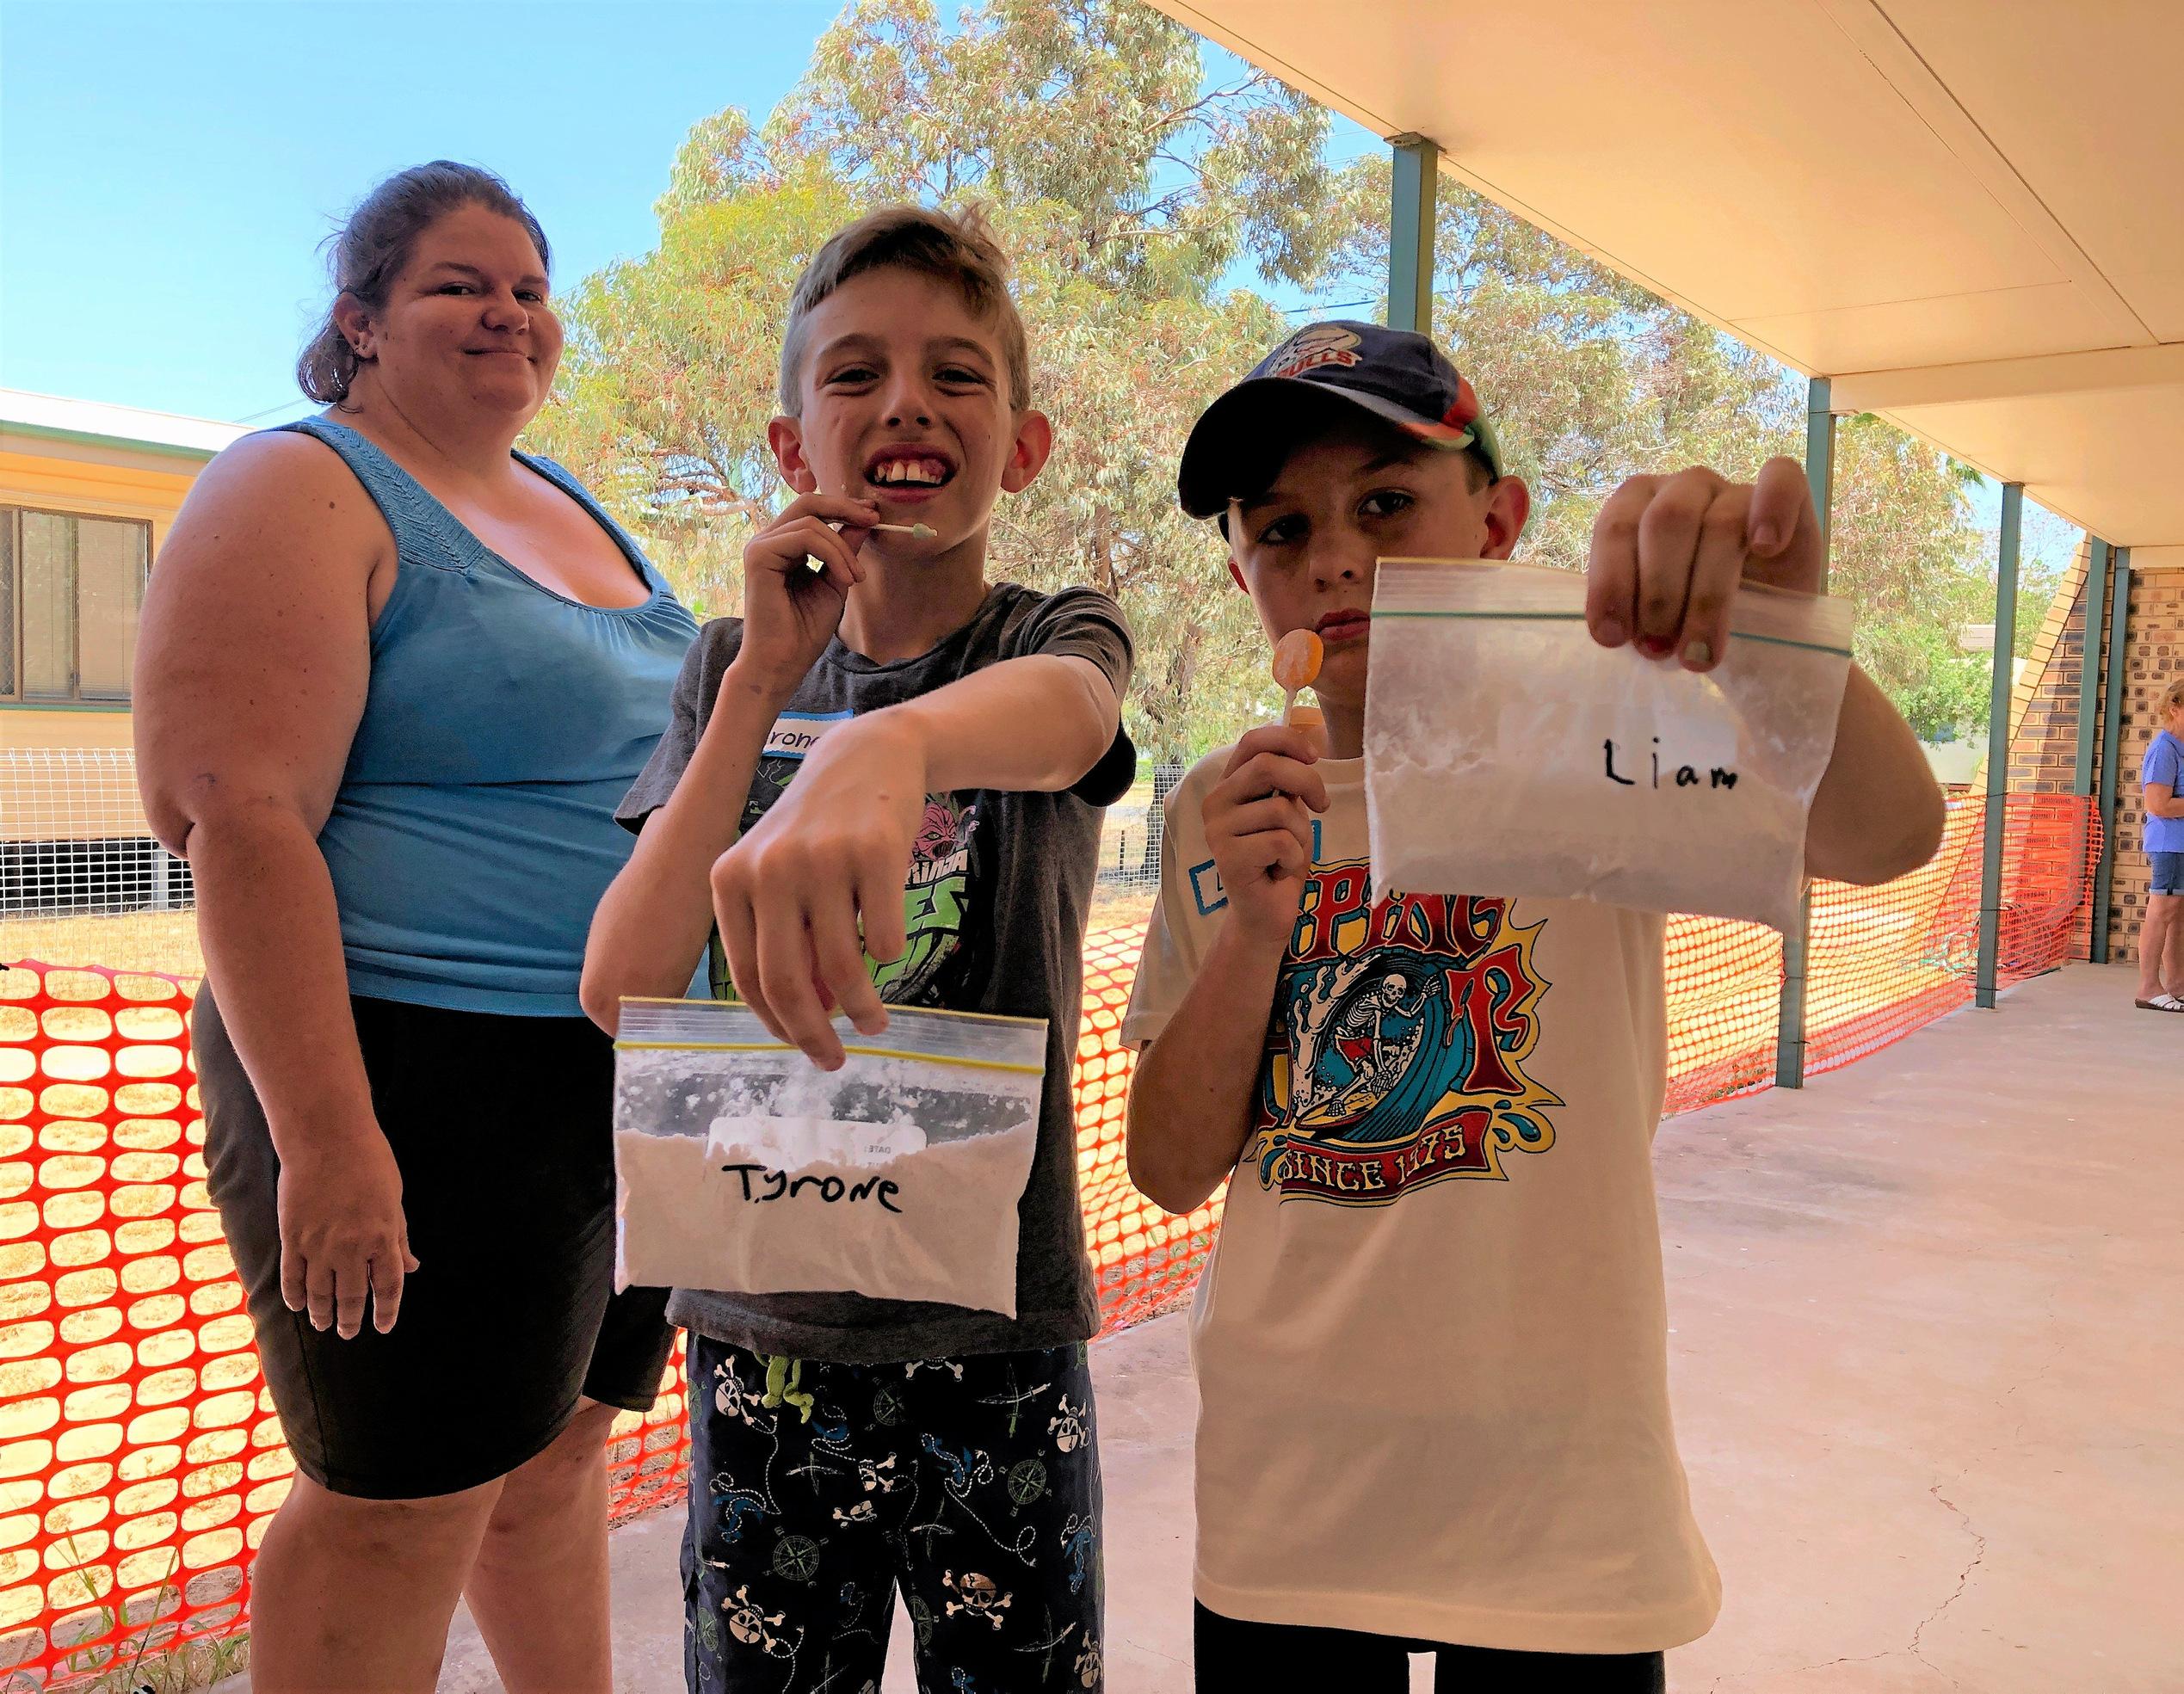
{"type": "Point", "coordinates": [1508, 753]}
{"type": "Point", "coordinates": [740, 1166]}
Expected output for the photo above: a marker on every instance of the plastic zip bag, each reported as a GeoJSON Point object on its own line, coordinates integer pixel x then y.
{"type": "Point", "coordinates": [740, 1166]}
{"type": "Point", "coordinates": [1507, 753]}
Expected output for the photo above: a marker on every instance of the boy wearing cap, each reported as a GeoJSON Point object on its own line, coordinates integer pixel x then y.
{"type": "Point", "coordinates": [1431, 1346]}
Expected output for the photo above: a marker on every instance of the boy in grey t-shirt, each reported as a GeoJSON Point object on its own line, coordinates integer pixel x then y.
{"type": "Point", "coordinates": [886, 749]}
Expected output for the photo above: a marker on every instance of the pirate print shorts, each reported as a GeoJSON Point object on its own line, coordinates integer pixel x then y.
{"type": "Point", "coordinates": [816, 1490]}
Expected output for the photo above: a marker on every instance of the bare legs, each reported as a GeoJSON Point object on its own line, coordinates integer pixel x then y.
{"type": "Point", "coordinates": [354, 1596]}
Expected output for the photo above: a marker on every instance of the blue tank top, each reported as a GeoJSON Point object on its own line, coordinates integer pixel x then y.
{"type": "Point", "coordinates": [474, 830]}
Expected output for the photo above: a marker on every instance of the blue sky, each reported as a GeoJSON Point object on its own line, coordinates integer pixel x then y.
{"type": "Point", "coordinates": [169, 170]}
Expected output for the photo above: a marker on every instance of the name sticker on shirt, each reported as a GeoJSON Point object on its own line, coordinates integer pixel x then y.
{"type": "Point", "coordinates": [796, 733]}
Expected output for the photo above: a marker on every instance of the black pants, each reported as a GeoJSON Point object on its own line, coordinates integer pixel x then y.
{"type": "Point", "coordinates": [501, 1128]}
{"type": "Point", "coordinates": [1271, 1658]}
{"type": "Point", "coordinates": [816, 1490]}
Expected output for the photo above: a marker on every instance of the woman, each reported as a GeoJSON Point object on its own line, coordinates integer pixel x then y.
{"type": "Point", "coordinates": [394, 677]}
{"type": "Point", "coordinates": [2160, 779]}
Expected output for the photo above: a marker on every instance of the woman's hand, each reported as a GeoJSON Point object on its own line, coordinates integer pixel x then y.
{"type": "Point", "coordinates": [790, 610]}
{"type": "Point", "coordinates": [343, 1232]}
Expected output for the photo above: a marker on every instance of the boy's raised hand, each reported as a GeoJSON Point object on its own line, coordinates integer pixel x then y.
{"type": "Point", "coordinates": [1258, 823]}
{"type": "Point", "coordinates": [790, 610]}
{"type": "Point", "coordinates": [1670, 552]}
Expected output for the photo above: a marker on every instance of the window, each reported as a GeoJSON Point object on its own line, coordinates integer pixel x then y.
{"type": "Point", "coordinates": [71, 591]}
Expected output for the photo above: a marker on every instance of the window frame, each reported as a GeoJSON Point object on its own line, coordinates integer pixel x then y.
{"type": "Point", "coordinates": [12, 513]}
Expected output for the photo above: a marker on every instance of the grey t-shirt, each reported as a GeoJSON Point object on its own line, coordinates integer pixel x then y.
{"type": "Point", "coordinates": [999, 891]}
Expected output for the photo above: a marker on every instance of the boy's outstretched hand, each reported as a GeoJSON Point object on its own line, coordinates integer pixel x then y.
{"type": "Point", "coordinates": [1258, 823]}
{"type": "Point", "coordinates": [1669, 553]}
{"type": "Point", "coordinates": [817, 883]}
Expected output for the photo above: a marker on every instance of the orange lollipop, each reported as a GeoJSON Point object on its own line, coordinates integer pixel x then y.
{"type": "Point", "coordinates": [1297, 658]}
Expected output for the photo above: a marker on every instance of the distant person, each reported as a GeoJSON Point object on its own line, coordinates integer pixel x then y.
{"type": "Point", "coordinates": [2161, 939]}
{"type": "Point", "coordinates": [394, 677]}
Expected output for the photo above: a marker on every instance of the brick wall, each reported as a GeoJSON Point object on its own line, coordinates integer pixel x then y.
{"type": "Point", "coordinates": [2153, 654]}
{"type": "Point", "coordinates": [2044, 714]}
{"type": "Point", "coordinates": [2044, 705]}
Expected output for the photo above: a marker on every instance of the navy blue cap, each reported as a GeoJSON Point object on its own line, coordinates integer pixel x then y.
{"type": "Point", "coordinates": [1395, 375]}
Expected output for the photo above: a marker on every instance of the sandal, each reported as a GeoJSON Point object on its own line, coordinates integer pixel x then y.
{"type": "Point", "coordinates": [2160, 1003]}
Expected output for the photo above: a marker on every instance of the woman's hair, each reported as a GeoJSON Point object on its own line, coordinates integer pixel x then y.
{"type": "Point", "coordinates": [2173, 696]}
{"type": "Point", "coordinates": [368, 251]}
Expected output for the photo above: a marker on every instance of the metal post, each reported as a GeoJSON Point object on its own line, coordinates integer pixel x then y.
{"type": "Point", "coordinates": [2104, 879]}
{"type": "Point", "coordinates": [1411, 213]}
{"type": "Point", "coordinates": [1999, 689]}
{"type": "Point", "coordinates": [2097, 599]}
{"type": "Point", "coordinates": [1789, 1024]}
{"type": "Point", "coordinates": [2093, 605]}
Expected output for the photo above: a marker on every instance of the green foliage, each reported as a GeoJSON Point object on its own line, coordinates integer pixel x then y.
{"type": "Point", "coordinates": [1128, 187]}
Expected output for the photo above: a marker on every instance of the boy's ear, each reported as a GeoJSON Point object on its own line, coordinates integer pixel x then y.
{"type": "Point", "coordinates": [1034, 441]}
{"type": "Point", "coordinates": [1508, 504]}
{"type": "Point", "coordinates": [785, 436]}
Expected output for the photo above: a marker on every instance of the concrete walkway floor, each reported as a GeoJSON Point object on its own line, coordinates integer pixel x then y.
{"type": "Point", "coordinates": [1925, 1319]}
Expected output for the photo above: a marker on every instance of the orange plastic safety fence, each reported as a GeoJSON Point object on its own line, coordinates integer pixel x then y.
{"type": "Point", "coordinates": [1880, 961]}
{"type": "Point", "coordinates": [139, 1455]}
{"type": "Point", "coordinates": [1144, 1260]}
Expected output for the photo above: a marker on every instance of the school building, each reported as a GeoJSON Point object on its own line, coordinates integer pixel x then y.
{"type": "Point", "coordinates": [88, 493]}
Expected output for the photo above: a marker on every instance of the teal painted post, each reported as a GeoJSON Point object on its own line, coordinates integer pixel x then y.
{"type": "Point", "coordinates": [2104, 879]}
{"type": "Point", "coordinates": [2097, 599]}
{"type": "Point", "coordinates": [1991, 865]}
{"type": "Point", "coordinates": [2100, 560]}
{"type": "Point", "coordinates": [1411, 213]}
{"type": "Point", "coordinates": [1789, 1020]}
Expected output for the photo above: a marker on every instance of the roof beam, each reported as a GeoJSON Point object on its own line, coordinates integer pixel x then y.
{"type": "Point", "coordinates": [1884, 44]}
{"type": "Point", "coordinates": [2103, 370]}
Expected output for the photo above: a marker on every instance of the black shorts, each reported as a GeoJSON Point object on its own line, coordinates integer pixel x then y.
{"type": "Point", "coordinates": [501, 1128]}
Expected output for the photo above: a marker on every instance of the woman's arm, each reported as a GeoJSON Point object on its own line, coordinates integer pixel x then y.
{"type": "Point", "coordinates": [251, 671]}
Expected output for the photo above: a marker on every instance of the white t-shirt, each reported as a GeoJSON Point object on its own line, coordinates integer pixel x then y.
{"type": "Point", "coordinates": [1432, 1346]}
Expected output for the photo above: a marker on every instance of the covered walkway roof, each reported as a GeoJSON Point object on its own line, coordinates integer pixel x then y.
{"type": "Point", "coordinates": [1969, 215]}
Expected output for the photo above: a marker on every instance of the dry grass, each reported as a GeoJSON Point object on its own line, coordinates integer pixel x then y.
{"type": "Point", "coordinates": [163, 942]}
{"type": "Point", "coordinates": [1121, 907]}
{"type": "Point", "coordinates": [191, 1669]}
{"type": "Point", "coordinates": [166, 942]}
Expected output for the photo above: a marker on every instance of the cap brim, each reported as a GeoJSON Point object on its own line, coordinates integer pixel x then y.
{"type": "Point", "coordinates": [1238, 444]}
